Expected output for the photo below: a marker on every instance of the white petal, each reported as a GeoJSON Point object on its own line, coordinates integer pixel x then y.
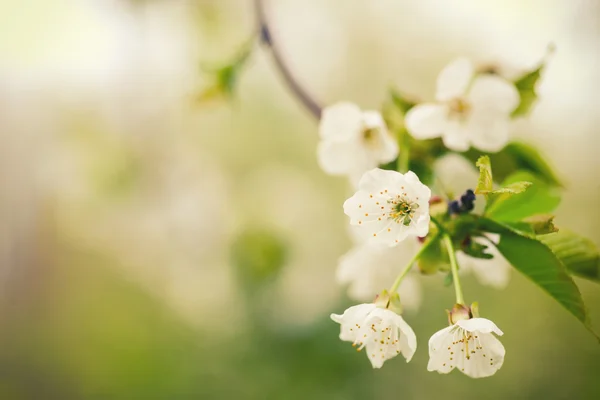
{"type": "Point", "coordinates": [367, 268]}
{"type": "Point", "coordinates": [375, 179]}
{"type": "Point", "coordinates": [427, 121]}
{"type": "Point", "coordinates": [454, 79]}
{"type": "Point", "coordinates": [482, 325]}
{"type": "Point", "coordinates": [494, 272]}
{"type": "Point", "coordinates": [341, 121]}
{"type": "Point", "coordinates": [337, 157]}
{"type": "Point", "coordinates": [440, 346]}
{"type": "Point", "coordinates": [456, 173]}
{"type": "Point", "coordinates": [488, 129]}
{"type": "Point", "coordinates": [493, 92]}
{"type": "Point", "coordinates": [485, 356]}
{"type": "Point", "coordinates": [351, 320]}
{"type": "Point", "coordinates": [455, 136]}
{"type": "Point", "coordinates": [385, 146]}
{"type": "Point", "coordinates": [407, 340]}
{"type": "Point", "coordinates": [389, 336]}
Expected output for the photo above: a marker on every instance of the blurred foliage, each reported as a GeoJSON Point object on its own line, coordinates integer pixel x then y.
{"type": "Point", "coordinates": [258, 256]}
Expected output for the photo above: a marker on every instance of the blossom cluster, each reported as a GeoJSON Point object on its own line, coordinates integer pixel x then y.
{"type": "Point", "coordinates": [391, 218]}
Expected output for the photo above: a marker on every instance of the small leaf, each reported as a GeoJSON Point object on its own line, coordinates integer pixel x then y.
{"type": "Point", "coordinates": [526, 86]}
{"type": "Point", "coordinates": [476, 249]}
{"type": "Point", "coordinates": [541, 224]}
{"type": "Point", "coordinates": [513, 188]}
{"type": "Point", "coordinates": [485, 182]}
{"type": "Point", "coordinates": [536, 261]}
{"type": "Point", "coordinates": [540, 198]}
{"type": "Point", "coordinates": [578, 254]}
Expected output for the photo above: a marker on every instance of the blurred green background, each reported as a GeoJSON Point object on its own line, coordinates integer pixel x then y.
{"type": "Point", "coordinates": [155, 248]}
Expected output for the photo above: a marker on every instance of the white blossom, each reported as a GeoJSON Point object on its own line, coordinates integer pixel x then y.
{"type": "Point", "coordinates": [468, 345]}
{"type": "Point", "coordinates": [389, 206]}
{"type": "Point", "coordinates": [469, 110]}
{"type": "Point", "coordinates": [381, 332]}
{"type": "Point", "coordinates": [367, 269]}
{"type": "Point", "coordinates": [353, 141]}
{"type": "Point", "coordinates": [494, 272]}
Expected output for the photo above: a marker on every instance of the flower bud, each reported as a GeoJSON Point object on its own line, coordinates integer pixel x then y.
{"type": "Point", "coordinates": [389, 301]}
{"type": "Point", "coordinates": [459, 312]}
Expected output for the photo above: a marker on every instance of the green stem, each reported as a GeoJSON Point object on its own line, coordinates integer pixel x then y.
{"type": "Point", "coordinates": [408, 267]}
{"type": "Point", "coordinates": [403, 162]}
{"type": "Point", "coordinates": [454, 268]}
{"type": "Point", "coordinates": [438, 224]}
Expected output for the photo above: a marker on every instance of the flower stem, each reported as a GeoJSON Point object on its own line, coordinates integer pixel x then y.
{"type": "Point", "coordinates": [438, 224]}
{"type": "Point", "coordinates": [403, 162]}
{"type": "Point", "coordinates": [410, 264]}
{"type": "Point", "coordinates": [454, 268]}
{"type": "Point", "coordinates": [267, 39]}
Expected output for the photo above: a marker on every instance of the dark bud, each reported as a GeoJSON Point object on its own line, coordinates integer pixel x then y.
{"type": "Point", "coordinates": [470, 194]}
{"type": "Point", "coordinates": [454, 207]}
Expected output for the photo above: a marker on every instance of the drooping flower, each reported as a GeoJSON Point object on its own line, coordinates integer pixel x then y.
{"type": "Point", "coordinates": [469, 110]}
{"type": "Point", "coordinates": [494, 272]}
{"type": "Point", "coordinates": [389, 206]}
{"type": "Point", "coordinates": [380, 331]}
{"type": "Point", "coordinates": [366, 268]}
{"type": "Point", "coordinates": [353, 141]}
{"type": "Point", "coordinates": [468, 344]}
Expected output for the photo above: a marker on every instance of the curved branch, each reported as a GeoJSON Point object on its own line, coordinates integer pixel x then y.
{"type": "Point", "coordinates": [267, 38]}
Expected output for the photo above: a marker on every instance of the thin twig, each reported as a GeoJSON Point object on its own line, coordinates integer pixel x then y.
{"type": "Point", "coordinates": [266, 38]}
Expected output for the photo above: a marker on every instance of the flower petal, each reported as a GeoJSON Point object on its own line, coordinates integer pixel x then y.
{"type": "Point", "coordinates": [384, 147]}
{"type": "Point", "coordinates": [487, 129]}
{"type": "Point", "coordinates": [427, 121]}
{"type": "Point", "coordinates": [352, 320]}
{"type": "Point", "coordinates": [493, 92]}
{"type": "Point", "coordinates": [376, 179]}
{"type": "Point", "coordinates": [494, 272]}
{"type": "Point", "coordinates": [485, 356]}
{"type": "Point", "coordinates": [440, 348]}
{"type": "Point", "coordinates": [407, 340]}
{"type": "Point", "coordinates": [482, 325]}
{"type": "Point", "coordinates": [341, 121]}
{"type": "Point", "coordinates": [455, 136]}
{"type": "Point", "coordinates": [338, 157]}
{"type": "Point", "coordinates": [454, 79]}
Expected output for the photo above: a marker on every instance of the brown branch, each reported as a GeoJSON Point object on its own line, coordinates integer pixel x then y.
{"type": "Point", "coordinates": [267, 39]}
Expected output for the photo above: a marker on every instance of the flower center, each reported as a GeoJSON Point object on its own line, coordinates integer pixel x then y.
{"type": "Point", "coordinates": [459, 107]}
{"type": "Point", "coordinates": [370, 136]}
{"type": "Point", "coordinates": [403, 210]}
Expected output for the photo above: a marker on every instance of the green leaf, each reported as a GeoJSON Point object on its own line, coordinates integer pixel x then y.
{"type": "Point", "coordinates": [517, 156]}
{"type": "Point", "coordinates": [537, 262]}
{"type": "Point", "coordinates": [540, 198]}
{"type": "Point", "coordinates": [485, 182]}
{"type": "Point", "coordinates": [526, 86]}
{"type": "Point", "coordinates": [578, 254]}
{"type": "Point", "coordinates": [527, 157]}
